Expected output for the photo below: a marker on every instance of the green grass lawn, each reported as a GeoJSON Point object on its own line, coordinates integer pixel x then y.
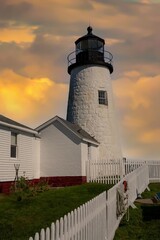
{"type": "Point", "coordinates": [137, 227]}
{"type": "Point", "coordinates": [20, 220]}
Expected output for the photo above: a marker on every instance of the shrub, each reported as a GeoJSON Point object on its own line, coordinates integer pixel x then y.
{"type": "Point", "coordinates": [23, 189]}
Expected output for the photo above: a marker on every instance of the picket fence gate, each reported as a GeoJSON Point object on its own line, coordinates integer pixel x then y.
{"type": "Point", "coordinates": [96, 219]}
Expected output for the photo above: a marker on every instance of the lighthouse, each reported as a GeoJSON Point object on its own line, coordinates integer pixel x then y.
{"type": "Point", "coordinates": [90, 101]}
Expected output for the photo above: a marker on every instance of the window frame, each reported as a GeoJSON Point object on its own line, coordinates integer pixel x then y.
{"type": "Point", "coordinates": [13, 146]}
{"type": "Point", "coordinates": [102, 97]}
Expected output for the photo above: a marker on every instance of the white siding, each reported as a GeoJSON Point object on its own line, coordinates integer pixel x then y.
{"type": "Point", "coordinates": [24, 156]}
{"type": "Point", "coordinates": [36, 158]}
{"type": "Point", "coordinates": [84, 157]}
{"type": "Point", "coordinates": [60, 152]}
{"type": "Point", "coordinates": [6, 166]}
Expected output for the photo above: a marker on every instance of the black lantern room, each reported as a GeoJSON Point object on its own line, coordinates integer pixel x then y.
{"type": "Point", "coordinates": [90, 50]}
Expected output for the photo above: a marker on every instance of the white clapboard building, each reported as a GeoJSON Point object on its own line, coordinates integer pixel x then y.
{"type": "Point", "coordinates": [58, 149]}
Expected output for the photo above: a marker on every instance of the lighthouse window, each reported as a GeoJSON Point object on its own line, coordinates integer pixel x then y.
{"type": "Point", "coordinates": [92, 44]}
{"type": "Point", "coordinates": [83, 45]}
{"type": "Point", "coordinates": [102, 96]}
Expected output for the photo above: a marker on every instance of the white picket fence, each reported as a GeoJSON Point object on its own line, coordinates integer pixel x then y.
{"type": "Point", "coordinates": [97, 219]}
{"type": "Point", "coordinates": [138, 181]}
{"type": "Point", "coordinates": [131, 165]}
{"type": "Point", "coordinates": [154, 171]}
{"type": "Point", "coordinates": [112, 171]}
{"type": "Point", "coordinates": [153, 166]}
{"type": "Point", "coordinates": [79, 224]}
{"type": "Point", "coordinates": [105, 171]}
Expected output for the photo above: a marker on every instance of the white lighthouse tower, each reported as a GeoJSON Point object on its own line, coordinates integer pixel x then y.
{"type": "Point", "coordinates": [90, 102]}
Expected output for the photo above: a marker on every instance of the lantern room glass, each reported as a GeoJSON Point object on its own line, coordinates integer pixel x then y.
{"type": "Point", "coordinates": [90, 44]}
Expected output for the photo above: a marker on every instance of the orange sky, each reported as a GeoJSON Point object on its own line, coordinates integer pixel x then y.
{"type": "Point", "coordinates": [35, 39]}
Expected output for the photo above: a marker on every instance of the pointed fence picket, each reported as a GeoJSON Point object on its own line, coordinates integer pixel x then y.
{"type": "Point", "coordinates": [108, 171]}
{"type": "Point", "coordinates": [112, 171]}
{"type": "Point", "coordinates": [130, 165]}
{"type": "Point", "coordinates": [153, 166]}
{"type": "Point", "coordinates": [154, 171]}
{"type": "Point", "coordinates": [138, 181]}
{"type": "Point", "coordinates": [96, 219]}
{"type": "Point", "coordinates": [80, 224]}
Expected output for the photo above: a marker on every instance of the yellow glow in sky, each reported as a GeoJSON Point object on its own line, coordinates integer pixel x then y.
{"type": "Point", "coordinates": [18, 35]}
{"type": "Point", "coordinates": [29, 97]}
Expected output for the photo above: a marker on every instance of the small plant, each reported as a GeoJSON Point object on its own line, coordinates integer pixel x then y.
{"type": "Point", "coordinates": [42, 186]}
{"type": "Point", "coordinates": [23, 189]}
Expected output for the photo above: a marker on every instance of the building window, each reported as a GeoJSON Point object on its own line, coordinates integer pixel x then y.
{"type": "Point", "coordinates": [89, 151]}
{"type": "Point", "coordinates": [102, 97]}
{"type": "Point", "coordinates": [13, 153]}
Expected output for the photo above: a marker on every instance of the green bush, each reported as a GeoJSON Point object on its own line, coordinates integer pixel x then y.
{"type": "Point", "coordinates": [22, 188]}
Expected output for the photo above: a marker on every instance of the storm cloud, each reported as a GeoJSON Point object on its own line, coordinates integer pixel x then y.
{"type": "Point", "coordinates": [35, 39]}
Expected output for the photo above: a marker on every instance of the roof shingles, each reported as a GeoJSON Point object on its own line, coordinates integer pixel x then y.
{"type": "Point", "coordinates": [77, 129]}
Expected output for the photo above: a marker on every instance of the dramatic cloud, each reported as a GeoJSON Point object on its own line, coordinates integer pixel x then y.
{"type": "Point", "coordinates": [17, 34]}
{"type": "Point", "coordinates": [31, 100]}
{"type": "Point", "coordinates": [35, 39]}
{"type": "Point", "coordinates": [137, 99]}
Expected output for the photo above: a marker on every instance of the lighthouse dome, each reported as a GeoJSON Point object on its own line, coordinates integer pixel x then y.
{"type": "Point", "coordinates": [90, 50]}
{"type": "Point", "coordinates": [90, 41]}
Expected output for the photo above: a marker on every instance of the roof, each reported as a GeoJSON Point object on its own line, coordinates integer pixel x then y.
{"type": "Point", "coordinates": [75, 128]}
{"type": "Point", "coordinates": [79, 130]}
{"type": "Point", "coordinates": [7, 122]}
{"type": "Point", "coordinates": [89, 35]}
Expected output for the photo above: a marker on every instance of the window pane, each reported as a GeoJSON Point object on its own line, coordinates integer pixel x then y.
{"type": "Point", "coordinates": [13, 139]}
{"type": "Point", "coordinates": [92, 44]}
{"type": "Point", "coordinates": [102, 97]}
{"type": "Point", "coordinates": [84, 45]}
{"type": "Point", "coordinates": [13, 151]}
{"type": "Point", "coordinates": [78, 46]}
{"type": "Point", "coordinates": [100, 44]}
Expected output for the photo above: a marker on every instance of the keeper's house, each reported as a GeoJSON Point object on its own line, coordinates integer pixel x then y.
{"type": "Point", "coordinates": [57, 151]}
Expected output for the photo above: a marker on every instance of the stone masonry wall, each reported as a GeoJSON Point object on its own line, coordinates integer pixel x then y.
{"type": "Point", "coordinates": [84, 109]}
